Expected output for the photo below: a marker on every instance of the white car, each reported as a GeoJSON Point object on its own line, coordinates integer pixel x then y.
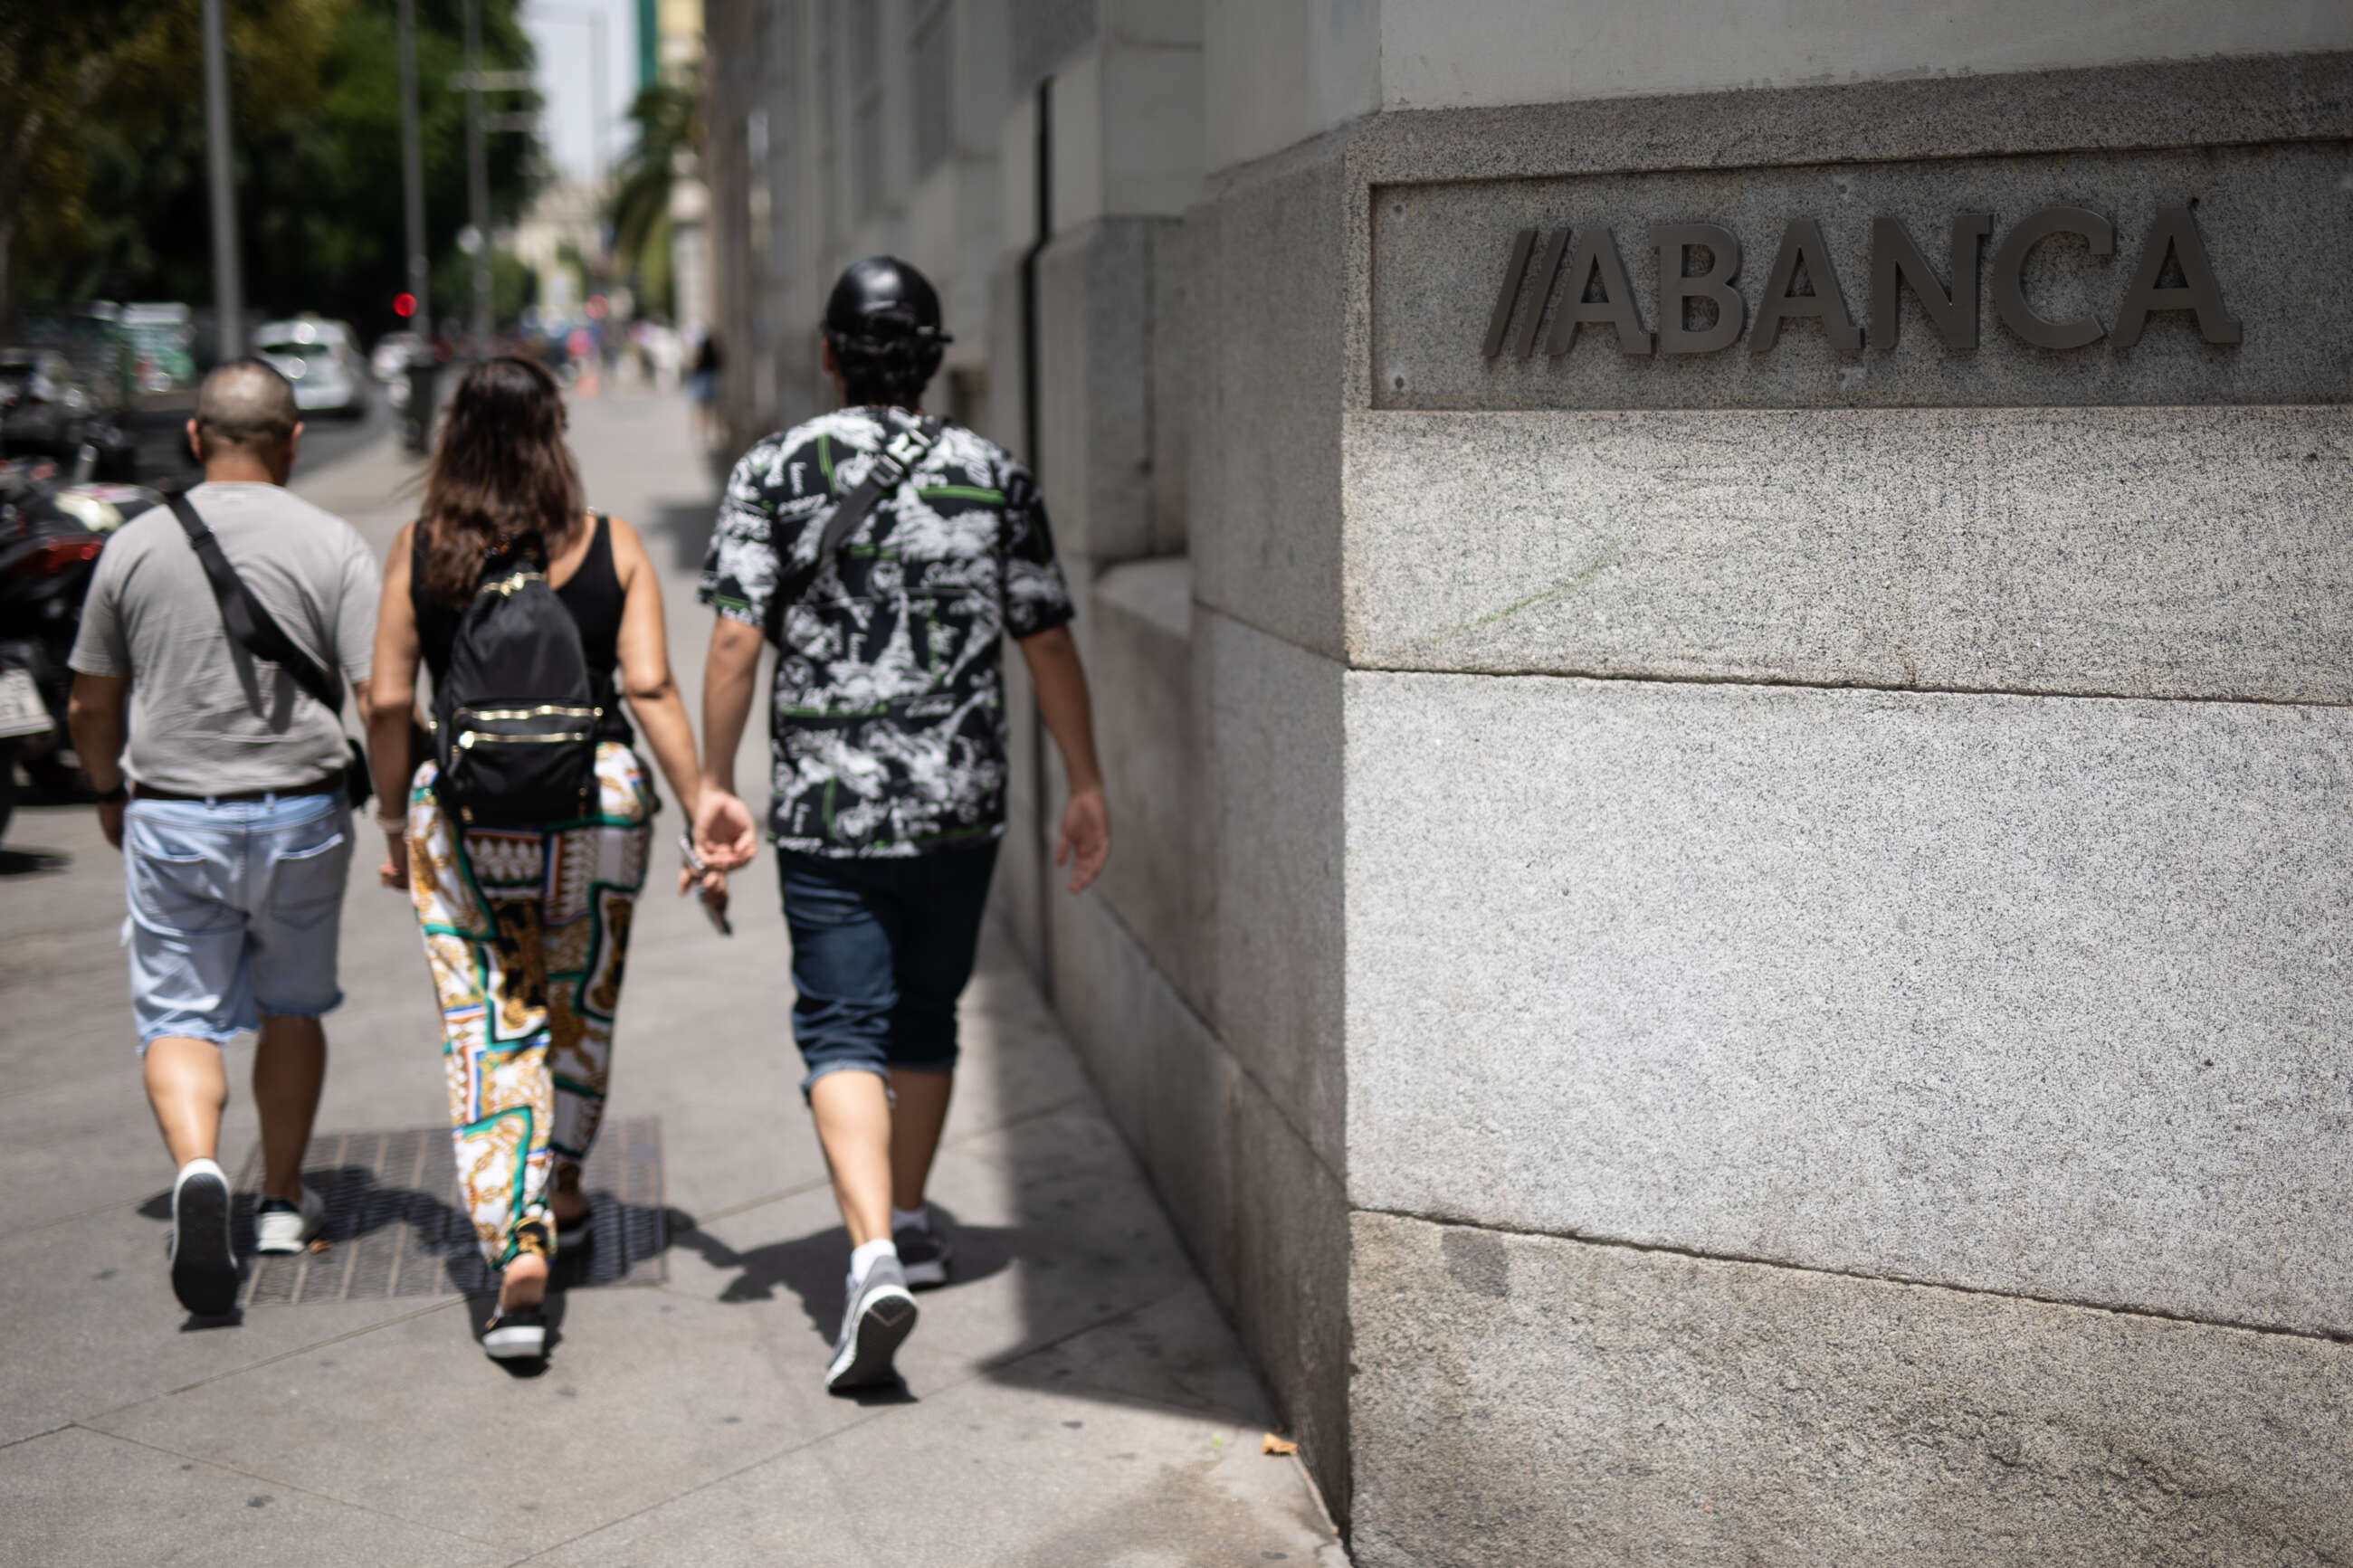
{"type": "Point", "coordinates": [318, 357]}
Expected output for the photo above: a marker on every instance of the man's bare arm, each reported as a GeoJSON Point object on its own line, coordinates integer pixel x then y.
{"type": "Point", "coordinates": [1084, 840]}
{"type": "Point", "coordinates": [731, 672]}
{"type": "Point", "coordinates": [97, 715]}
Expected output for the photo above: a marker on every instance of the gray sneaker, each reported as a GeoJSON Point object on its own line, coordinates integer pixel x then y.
{"type": "Point", "coordinates": [881, 1315]}
{"type": "Point", "coordinates": [924, 1252]}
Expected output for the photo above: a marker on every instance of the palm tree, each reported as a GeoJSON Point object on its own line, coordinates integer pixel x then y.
{"type": "Point", "coordinates": [669, 118]}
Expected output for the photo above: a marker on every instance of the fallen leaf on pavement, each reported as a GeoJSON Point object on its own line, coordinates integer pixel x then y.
{"type": "Point", "coordinates": [1270, 1444]}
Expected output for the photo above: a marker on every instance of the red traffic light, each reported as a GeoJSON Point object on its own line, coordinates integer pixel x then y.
{"type": "Point", "coordinates": [404, 305]}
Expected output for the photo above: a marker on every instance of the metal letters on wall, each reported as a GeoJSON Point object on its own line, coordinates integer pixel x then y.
{"type": "Point", "coordinates": [1698, 310]}
{"type": "Point", "coordinates": [2133, 277]}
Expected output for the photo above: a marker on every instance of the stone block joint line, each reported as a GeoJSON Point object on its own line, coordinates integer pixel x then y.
{"type": "Point", "coordinates": [1912, 1281]}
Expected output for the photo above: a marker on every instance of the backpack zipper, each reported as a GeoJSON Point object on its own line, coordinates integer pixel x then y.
{"type": "Point", "coordinates": [545, 707]}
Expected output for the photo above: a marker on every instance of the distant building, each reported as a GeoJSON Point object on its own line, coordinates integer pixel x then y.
{"type": "Point", "coordinates": [1723, 644]}
{"type": "Point", "coordinates": [563, 229]}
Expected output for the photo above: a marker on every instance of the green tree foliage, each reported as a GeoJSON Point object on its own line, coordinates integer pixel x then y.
{"type": "Point", "coordinates": [669, 119]}
{"type": "Point", "coordinates": [68, 69]}
{"type": "Point", "coordinates": [315, 89]}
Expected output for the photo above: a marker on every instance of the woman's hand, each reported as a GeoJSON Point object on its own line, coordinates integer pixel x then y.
{"type": "Point", "coordinates": [724, 834]}
{"type": "Point", "coordinates": [713, 883]}
{"type": "Point", "coordinates": [393, 872]}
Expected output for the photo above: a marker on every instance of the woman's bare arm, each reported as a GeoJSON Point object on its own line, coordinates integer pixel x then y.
{"type": "Point", "coordinates": [645, 677]}
{"type": "Point", "coordinates": [392, 698]}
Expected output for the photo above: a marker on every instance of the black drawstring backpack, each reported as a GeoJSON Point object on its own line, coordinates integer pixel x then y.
{"type": "Point", "coordinates": [515, 720]}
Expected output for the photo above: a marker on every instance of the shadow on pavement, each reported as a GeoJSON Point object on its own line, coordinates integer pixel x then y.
{"type": "Point", "coordinates": [814, 1267]}
{"type": "Point", "coordinates": [380, 1241]}
{"type": "Point", "coordinates": [33, 862]}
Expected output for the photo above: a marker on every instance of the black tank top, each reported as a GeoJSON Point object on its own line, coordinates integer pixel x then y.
{"type": "Point", "coordinates": [592, 594]}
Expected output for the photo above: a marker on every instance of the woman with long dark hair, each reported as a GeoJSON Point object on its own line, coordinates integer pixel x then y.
{"type": "Point", "coordinates": [526, 927]}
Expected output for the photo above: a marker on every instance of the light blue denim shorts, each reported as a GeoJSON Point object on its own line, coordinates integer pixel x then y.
{"type": "Point", "coordinates": [236, 909]}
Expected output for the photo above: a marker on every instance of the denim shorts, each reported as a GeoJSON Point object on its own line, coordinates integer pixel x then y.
{"type": "Point", "coordinates": [881, 950]}
{"type": "Point", "coordinates": [236, 907]}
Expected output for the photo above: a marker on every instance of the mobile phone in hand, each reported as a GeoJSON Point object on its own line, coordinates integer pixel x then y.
{"type": "Point", "coordinates": [717, 913]}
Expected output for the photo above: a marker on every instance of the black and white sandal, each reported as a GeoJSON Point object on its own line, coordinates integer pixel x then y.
{"type": "Point", "coordinates": [516, 1333]}
{"type": "Point", "coordinates": [572, 1234]}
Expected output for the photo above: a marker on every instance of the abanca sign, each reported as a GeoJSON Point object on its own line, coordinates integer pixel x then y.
{"type": "Point", "coordinates": [2174, 273]}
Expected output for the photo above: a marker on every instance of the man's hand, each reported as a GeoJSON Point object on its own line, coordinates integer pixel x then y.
{"type": "Point", "coordinates": [1085, 841]}
{"type": "Point", "coordinates": [98, 719]}
{"type": "Point", "coordinates": [1061, 686]}
{"type": "Point", "coordinates": [725, 838]}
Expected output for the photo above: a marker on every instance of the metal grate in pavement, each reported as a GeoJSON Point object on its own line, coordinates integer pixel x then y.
{"type": "Point", "coordinates": [395, 1226]}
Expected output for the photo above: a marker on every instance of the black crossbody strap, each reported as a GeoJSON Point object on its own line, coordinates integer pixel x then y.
{"type": "Point", "coordinates": [900, 456]}
{"type": "Point", "coordinates": [247, 621]}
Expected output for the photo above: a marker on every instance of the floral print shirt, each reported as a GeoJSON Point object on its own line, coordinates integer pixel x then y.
{"type": "Point", "coordinates": [889, 710]}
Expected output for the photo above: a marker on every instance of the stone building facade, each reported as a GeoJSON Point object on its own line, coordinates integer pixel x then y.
{"type": "Point", "coordinates": [1723, 642]}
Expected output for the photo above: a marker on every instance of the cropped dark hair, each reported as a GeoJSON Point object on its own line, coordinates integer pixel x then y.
{"type": "Point", "coordinates": [246, 403]}
{"type": "Point", "coordinates": [892, 368]}
{"type": "Point", "coordinates": [500, 472]}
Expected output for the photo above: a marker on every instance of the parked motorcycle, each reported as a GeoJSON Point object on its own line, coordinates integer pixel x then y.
{"type": "Point", "coordinates": [53, 527]}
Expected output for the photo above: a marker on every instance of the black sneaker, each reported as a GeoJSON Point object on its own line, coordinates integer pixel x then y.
{"type": "Point", "coordinates": [204, 1268]}
{"type": "Point", "coordinates": [924, 1253]}
{"type": "Point", "coordinates": [880, 1317]}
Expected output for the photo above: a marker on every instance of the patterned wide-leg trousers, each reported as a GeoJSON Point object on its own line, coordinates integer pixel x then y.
{"type": "Point", "coordinates": [526, 931]}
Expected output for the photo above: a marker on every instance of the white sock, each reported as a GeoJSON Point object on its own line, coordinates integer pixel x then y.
{"type": "Point", "coordinates": [902, 1218]}
{"type": "Point", "coordinates": [863, 1258]}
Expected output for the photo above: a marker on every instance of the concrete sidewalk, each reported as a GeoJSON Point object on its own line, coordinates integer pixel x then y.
{"type": "Point", "coordinates": [1074, 1398]}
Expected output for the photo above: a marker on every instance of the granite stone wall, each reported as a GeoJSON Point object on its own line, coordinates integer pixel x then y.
{"type": "Point", "coordinates": [1846, 949]}
{"type": "Point", "coordinates": [1201, 978]}
{"type": "Point", "coordinates": [1738, 958]}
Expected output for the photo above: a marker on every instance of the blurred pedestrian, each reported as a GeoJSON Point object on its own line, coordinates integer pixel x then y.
{"type": "Point", "coordinates": [228, 799]}
{"type": "Point", "coordinates": [524, 900]}
{"type": "Point", "coordinates": [887, 555]}
{"type": "Point", "coordinates": [702, 386]}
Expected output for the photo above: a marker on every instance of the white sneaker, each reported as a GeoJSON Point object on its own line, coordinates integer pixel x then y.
{"type": "Point", "coordinates": [281, 1226]}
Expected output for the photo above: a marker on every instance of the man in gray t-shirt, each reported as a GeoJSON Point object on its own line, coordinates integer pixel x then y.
{"type": "Point", "coordinates": [222, 782]}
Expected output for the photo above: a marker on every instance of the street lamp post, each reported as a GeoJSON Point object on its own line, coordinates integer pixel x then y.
{"type": "Point", "coordinates": [477, 177]}
{"type": "Point", "coordinates": [228, 281]}
{"type": "Point", "coordinates": [412, 171]}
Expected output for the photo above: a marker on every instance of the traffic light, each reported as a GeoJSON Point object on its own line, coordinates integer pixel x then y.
{"type": "Point", "coordinates": [404, 305]}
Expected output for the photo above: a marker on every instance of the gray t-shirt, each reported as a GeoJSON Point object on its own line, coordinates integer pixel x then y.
{"type": "Point", "coordinates": [206, 718]}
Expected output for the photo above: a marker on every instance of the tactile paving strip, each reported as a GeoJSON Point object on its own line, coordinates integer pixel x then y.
{"type": "Point", "coordinates": [394, 1225]}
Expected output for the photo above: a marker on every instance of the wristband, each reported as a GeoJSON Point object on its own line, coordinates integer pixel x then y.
{"type": "Point", "coordinates": [395, 825]}
{"type": "Point", "coordinates": [117, 795]}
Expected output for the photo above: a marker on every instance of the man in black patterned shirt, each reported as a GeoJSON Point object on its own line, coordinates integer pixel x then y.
{"type": "Point", "coordinates": [888, 742]}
